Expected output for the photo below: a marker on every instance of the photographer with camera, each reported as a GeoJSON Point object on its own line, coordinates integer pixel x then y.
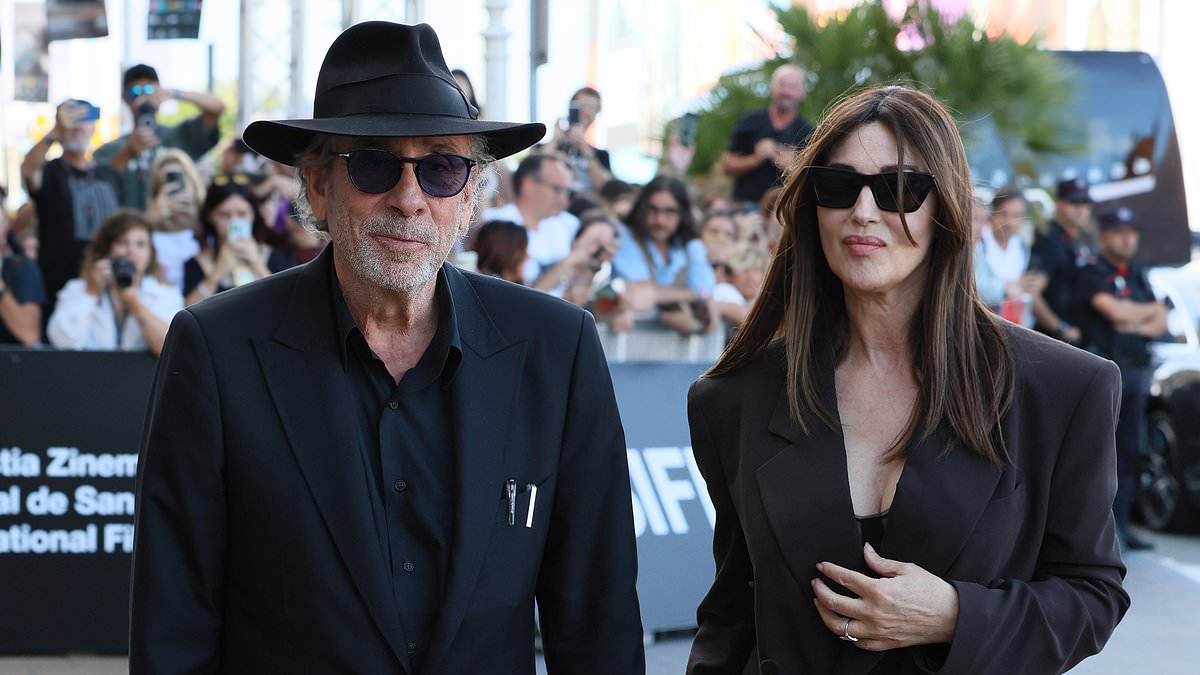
{"type": "Point", "coordinates": [133, 153]}
{"type": "Point", "coordinates": [119, 302]}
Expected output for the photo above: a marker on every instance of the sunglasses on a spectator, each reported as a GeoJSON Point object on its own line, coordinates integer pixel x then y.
{"type": "Point", "coordinates": [836, 188]}
{"type": "Point", "coordinates": [139, 89]}
{"type": "Point", "coordinates": [240, 179]}
{"type": "Point", "coordinates": [376, 171]}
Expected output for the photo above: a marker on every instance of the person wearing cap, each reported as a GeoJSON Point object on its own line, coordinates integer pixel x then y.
{"type": "Point", "coordinates": [132, 154]}
{"type": "Point", "coordinates": [1121, 317]}
{"type": "Point", "coordinates": [1059, 254]}
{"type": "Point", "coordinates": [375, 462]}
{"type": "Point", "coordinates": [72, 194]}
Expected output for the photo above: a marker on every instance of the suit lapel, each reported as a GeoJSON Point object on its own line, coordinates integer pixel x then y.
{"type": "Point", "coordinates": [307, 383]}
{"type": "Point", "coordinates": [483, 393]}
{"type": "Point", "coordinates": [806, 494]}
{"type": "Point", "coordinates": [940, 497]}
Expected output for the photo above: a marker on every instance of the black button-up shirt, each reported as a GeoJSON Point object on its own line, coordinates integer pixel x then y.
{"type": "Point", "coordinates": [406, 438]}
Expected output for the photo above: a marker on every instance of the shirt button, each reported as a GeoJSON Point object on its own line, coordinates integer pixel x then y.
{"type": "Point", "coordinates": [412, 647]}
{"type": "Point", "coordinates": [393, 404]}
{"type": "Point", "coordinates": [400, 485]}
{"type": "Point", "coordinates": [409, 566]}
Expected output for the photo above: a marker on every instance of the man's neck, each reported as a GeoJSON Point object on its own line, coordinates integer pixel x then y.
{"type": "Point", "coordinates": [1001, 241]}
{"type": "Point", "coordinates": [1114, 259]}
{"type": "Point", "coordinates": [398, 325]}
{"type": "Point", "coordinates": [529, 215]}
{"type": "Point", "coordinates": [1071, 229]}
{"type": "Point", "coordinates": [78, 160]}
{"type": "Point", "coordinates": [780, 117]}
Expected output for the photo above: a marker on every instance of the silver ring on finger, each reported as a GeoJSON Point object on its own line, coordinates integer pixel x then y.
{"type": "Point", "coordinates": [846, 632]}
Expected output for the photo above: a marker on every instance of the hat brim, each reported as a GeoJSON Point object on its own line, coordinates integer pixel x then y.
{"type": "Point", "coordinates": [284, 140]}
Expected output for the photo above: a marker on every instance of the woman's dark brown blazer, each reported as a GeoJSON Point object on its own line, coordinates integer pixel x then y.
{"type": "Point", "coordinates": [1030, 547]}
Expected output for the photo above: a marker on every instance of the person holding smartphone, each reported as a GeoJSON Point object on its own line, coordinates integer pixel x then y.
{"type": "Point", "coordinates": [236, 245]}
{"type": "Point", "coordinates": [120, 300]}
{"type": "Point", "coordinates": [133, 154]}
{"type": "Point", "coordinates": [176, 193]}
{"type": "Point", "coordinates": [591, 164]}
{"type": "Point", "coordinates": [71, 194]}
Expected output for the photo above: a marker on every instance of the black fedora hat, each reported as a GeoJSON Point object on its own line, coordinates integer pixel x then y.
{"type": "Point", "coordinates": [387, 80]}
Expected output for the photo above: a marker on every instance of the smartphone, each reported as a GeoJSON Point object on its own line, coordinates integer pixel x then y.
{"type": "Point", "coordinates": [239, 228]}
{"type": "Point", "coordinates": [173, 182]}
{"type": "Point", "coordinates": [688, 125]}
{"type": "Point", "coordinates": [572, 116]}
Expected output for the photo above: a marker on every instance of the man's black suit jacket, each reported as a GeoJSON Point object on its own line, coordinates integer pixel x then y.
{"type": "Point", "coordinates": [1030, 547]}
{"type": "Point", "coordinates": [256, 550]}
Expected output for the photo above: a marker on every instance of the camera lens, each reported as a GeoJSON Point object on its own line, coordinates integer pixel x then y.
{"type": "Point", "coordinates": [123, 272]}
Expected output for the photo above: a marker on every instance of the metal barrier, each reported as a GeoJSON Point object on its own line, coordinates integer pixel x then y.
{"type": "Point", "coordinates": [651, 341]}
{"type": "Point", "coordinates": [69, 430]}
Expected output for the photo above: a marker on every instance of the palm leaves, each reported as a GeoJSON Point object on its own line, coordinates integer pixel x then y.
{"type": "Point", "coordinates": [995, 85]}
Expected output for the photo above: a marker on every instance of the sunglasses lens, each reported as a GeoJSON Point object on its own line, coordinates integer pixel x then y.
{"type": "Point", "coordinates": [839, 189]}
{"type": "Point", "coordinates": [443, 175]}
{"type": "Point", "coordinates": [916, 188]}
{"type": "Point", "coordinates": [833, 188]}
{"type": "Point", "coordinates": [373, 171]}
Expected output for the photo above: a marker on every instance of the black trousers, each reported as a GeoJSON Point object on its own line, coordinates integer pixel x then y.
{"type": "Point", "coordinates": [1131, 432]}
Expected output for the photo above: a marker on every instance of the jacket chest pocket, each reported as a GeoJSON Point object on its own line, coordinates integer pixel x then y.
{"type": "Point", "coordinates": [525, 504]}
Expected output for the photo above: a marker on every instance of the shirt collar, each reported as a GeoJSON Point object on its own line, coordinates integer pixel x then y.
{"type": "Point", "coordinates": [446, 345]}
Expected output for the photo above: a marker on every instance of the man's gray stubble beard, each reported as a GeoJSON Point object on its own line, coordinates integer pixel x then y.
{"type": "Point", "coordinates": [393, 273]}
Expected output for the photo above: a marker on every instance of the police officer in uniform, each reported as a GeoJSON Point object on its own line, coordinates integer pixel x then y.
{"type": "Point", "coordinates": [1060, 253]}
{"type": "Point", "coordinates": [1121, 317]}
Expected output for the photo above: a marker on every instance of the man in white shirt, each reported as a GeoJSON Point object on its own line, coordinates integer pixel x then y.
{"type": "Point", "coordinates": [542, 185]}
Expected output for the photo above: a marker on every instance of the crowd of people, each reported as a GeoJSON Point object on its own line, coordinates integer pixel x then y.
{"type": "Point", "coordinates": [219, 215]}
{"type": "Point", "coordinates": [372, 384]}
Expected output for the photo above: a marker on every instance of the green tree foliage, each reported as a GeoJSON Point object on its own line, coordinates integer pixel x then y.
{"type": "Point", "coordinates": [999, 84]}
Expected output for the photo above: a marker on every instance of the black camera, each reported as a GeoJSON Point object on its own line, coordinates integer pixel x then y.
{"type": "Point", "coordinates": [147, 117]}
{"type": "Point", "coordinates": [123, 271]}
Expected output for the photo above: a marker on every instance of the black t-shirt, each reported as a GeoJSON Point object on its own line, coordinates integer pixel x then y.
{"type": "Point", "coordinates": [1125, 282]}
{"type": "Point", "coordinates": [752, 128]}
{"type": "Point", "coordinates": [24, 282]}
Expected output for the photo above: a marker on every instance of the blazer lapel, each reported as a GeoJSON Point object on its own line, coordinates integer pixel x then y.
{"type": "Point", "coordinates": [307, 383]}
{"type": "Point", "coordinates": [805, 492]}
{"type": "Point", "coordinates": [483, 393]}
{"type": "Point", "coordinates": [940, 497]}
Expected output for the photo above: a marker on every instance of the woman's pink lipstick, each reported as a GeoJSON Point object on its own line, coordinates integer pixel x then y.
{"type": "Point", "coordinates": [860, 245]}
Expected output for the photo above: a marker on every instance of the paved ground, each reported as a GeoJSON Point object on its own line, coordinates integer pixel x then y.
{"type": "Point", "coordinates": [1160, 635]}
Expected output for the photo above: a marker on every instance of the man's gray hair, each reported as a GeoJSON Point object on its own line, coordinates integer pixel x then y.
{"type": "Point", "coordinates": [319, 155]}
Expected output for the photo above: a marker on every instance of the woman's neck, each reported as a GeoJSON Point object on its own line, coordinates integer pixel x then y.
{"type": "Point", "coordinates": [879, 326]}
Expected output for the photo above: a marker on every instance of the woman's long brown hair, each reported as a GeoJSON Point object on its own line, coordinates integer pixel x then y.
{"type": "Point", "coordinates": [960, 357]}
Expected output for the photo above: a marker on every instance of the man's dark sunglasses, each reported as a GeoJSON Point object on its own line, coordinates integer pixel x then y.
{"type": "Point", "coordinates": [376, 171]}
{"type": "Point", "coordinates": [839, 188]}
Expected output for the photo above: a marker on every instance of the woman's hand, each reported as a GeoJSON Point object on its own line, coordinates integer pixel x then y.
{"type": "Point", "coordinates": [243, 249]}
{"type": "Point", "coordinates": [907, 606]}
{"type": "Point", "coordinates": [99, 277]}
